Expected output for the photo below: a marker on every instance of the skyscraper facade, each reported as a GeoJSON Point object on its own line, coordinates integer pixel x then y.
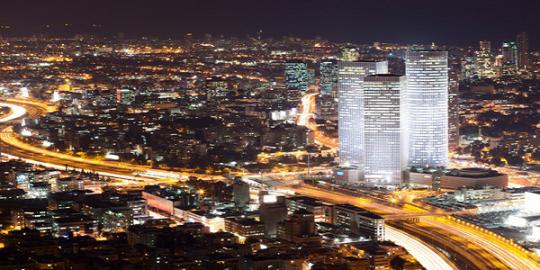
{"type": "Point", "coordinates": [484, 61]}
{"type": "Point", "coordinates": [351, 108]}
{"type": "Point", "coordinates": [328, 79]}
{"type": "Point", "coordinates": [296, 75]}
{"type": "Point", "coordinates": [509, 60]}
{"type": "Point", "coordinates": [385, 135]}
{"type": "Point", "coordinates": [522, 50]}
{"type": "Point", "coordinates": [427, 103]}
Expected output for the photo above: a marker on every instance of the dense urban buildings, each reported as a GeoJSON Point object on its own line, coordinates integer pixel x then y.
{"type": "Point", "coordinates": [485, 61]}
{"type": "Point", "coordinates": [265, 152]}
{"type": "Point", "coordinates": [328, 78]}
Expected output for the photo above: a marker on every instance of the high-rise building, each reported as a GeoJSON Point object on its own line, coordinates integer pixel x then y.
{"type": "Point", "coordinates": [351, 109]}
{"type": "Point", "coordinates": [328, 79]}
{"type": "Point", "coordinates": [273, 210]}
{"type": "Point", "coordinates": [360, 221]}
{"type": "Point", "coordinates": [484, 60]}
{"type": "Point", "coordinates": [322, 211]}
{"type": "Point", "coordinates": [522, 50]}
{"type": "Point", "coordinates": [240, 193]}
{"type": "Point", "coordinates": [299, 228]}
{"type": "Point", "coordinates": [498, 65]}
{"type": "Point", "coordinates": [384, 134]}
{"type": "Point", "coordinates": [509, 60]}
{"type": "Point", "coordinates": [350, 54]}
{"type": "Point", "coordinates": [485, 46]}
{"type": "Point", "coordinates": [453, 108]}
{"type": "Point", "coordinates": [125, 96]}
{"type": "Point", "coordinates": [427, 100]}
{"type": "Point", "coordinates": [296, 75]}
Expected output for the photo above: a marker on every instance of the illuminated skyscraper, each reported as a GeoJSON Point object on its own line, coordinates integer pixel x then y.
{"type": "Point", "coordinates": [296, 75]}
{"type": "Point", "coordinates": [350, 54]}
{"type": "Point", "coordinates": [509, 53]}
{"type": "Point", "coordinates": [385, 135]}
{"type": "Point", "coordinates": [522, 50]}
{"type": "Point", "coordinates": [484, 60]}
{"type": "Point", "coordinates": [485, 46]}
{"type": "Point", "coordinates": [468, 68]}
{"type": "Point", "coordinates": [427, 100]}
{"type": "Point", "coordinates": [351, 108]}
{"type": "Point", "coordinates": [328, 81]}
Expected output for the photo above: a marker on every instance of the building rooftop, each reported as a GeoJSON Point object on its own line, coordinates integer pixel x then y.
{"type": "Point", "coordinates": [473, 172]}
{"type": "Point", "coordinates": [306, 200]}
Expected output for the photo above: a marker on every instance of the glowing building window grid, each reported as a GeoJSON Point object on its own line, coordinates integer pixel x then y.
{"type": "Point", "coordinates": [384, 134]}
{"type": "Point", "coordinates": [296, 75]}
{"type": "Point", "coordinates": [427, 91]}
{"type": "Point", "coordinates": [350, 108]}
{"type": "Point", "coordinates": [328, 81]}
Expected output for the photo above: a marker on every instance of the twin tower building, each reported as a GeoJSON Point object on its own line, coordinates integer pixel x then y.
{"type": "Point", "coordinates": [388, 123]}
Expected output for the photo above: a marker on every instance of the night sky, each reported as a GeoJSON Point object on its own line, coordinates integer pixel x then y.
{"type": "Point", "coordinates": [456, 22]}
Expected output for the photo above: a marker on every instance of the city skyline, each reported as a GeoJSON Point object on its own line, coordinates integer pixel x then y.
{"type": "Point", "coordinates": [307, 135]}
{"type": "Point", "coordinates": [298, 18]}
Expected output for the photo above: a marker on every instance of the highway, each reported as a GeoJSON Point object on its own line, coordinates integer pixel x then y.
{"type": "Point", "coordinates": [486, 250]}
{"type": "Point", "coordinates": [12, 145]}
{"type": "Point", "coordinates": [15, 112]}
{"type": "Point", "coordinates": [430, 258]}
{"type": "Point", "coordinates": [490, 251]}
{"type": "Point", "coordinates": [305, 118]}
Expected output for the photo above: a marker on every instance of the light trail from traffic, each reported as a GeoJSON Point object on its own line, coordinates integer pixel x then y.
{"type": "Point", "coordinates": [305, 118]}
{"type": "Point", "coordinates": [139, 173]}
{"type": "Point", "coordinates": [498, 251]}
{"type": "Point", "coordinates": [428, 257]}
{"type": "Point", "coordinates": [43, 106]}
{"type": "Point", "coordinates": [16, 112]}
{"type": "Point", "coordinates": [128, 171]}
{"type": "Point", "coordinates": [307, 109]}
{"type": "Point", "coordinates": [511, 256]}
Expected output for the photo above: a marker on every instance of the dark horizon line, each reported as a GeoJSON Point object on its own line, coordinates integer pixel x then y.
{"type": "Point", "coordinates": [198, 36]}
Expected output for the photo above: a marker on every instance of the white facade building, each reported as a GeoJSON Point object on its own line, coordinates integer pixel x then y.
{"type": "Point", "coordinates": [427, 102]}
{"type": "Point", "coordinates": [384, 134]}
{"type": "Point", "coordinates": [351, 109]}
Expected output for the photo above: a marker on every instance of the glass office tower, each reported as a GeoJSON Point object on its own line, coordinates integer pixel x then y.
{"type": "Point", "coordinates": [296, 75]}
{"type": "Point", "coordinates": [427, 103]}
{"type": "Point", "coordinates": [384, 132]}
{"type": "Point", "coordinates": [351, 109]}
{"type": "Point", "coordinates": [328, 81]}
